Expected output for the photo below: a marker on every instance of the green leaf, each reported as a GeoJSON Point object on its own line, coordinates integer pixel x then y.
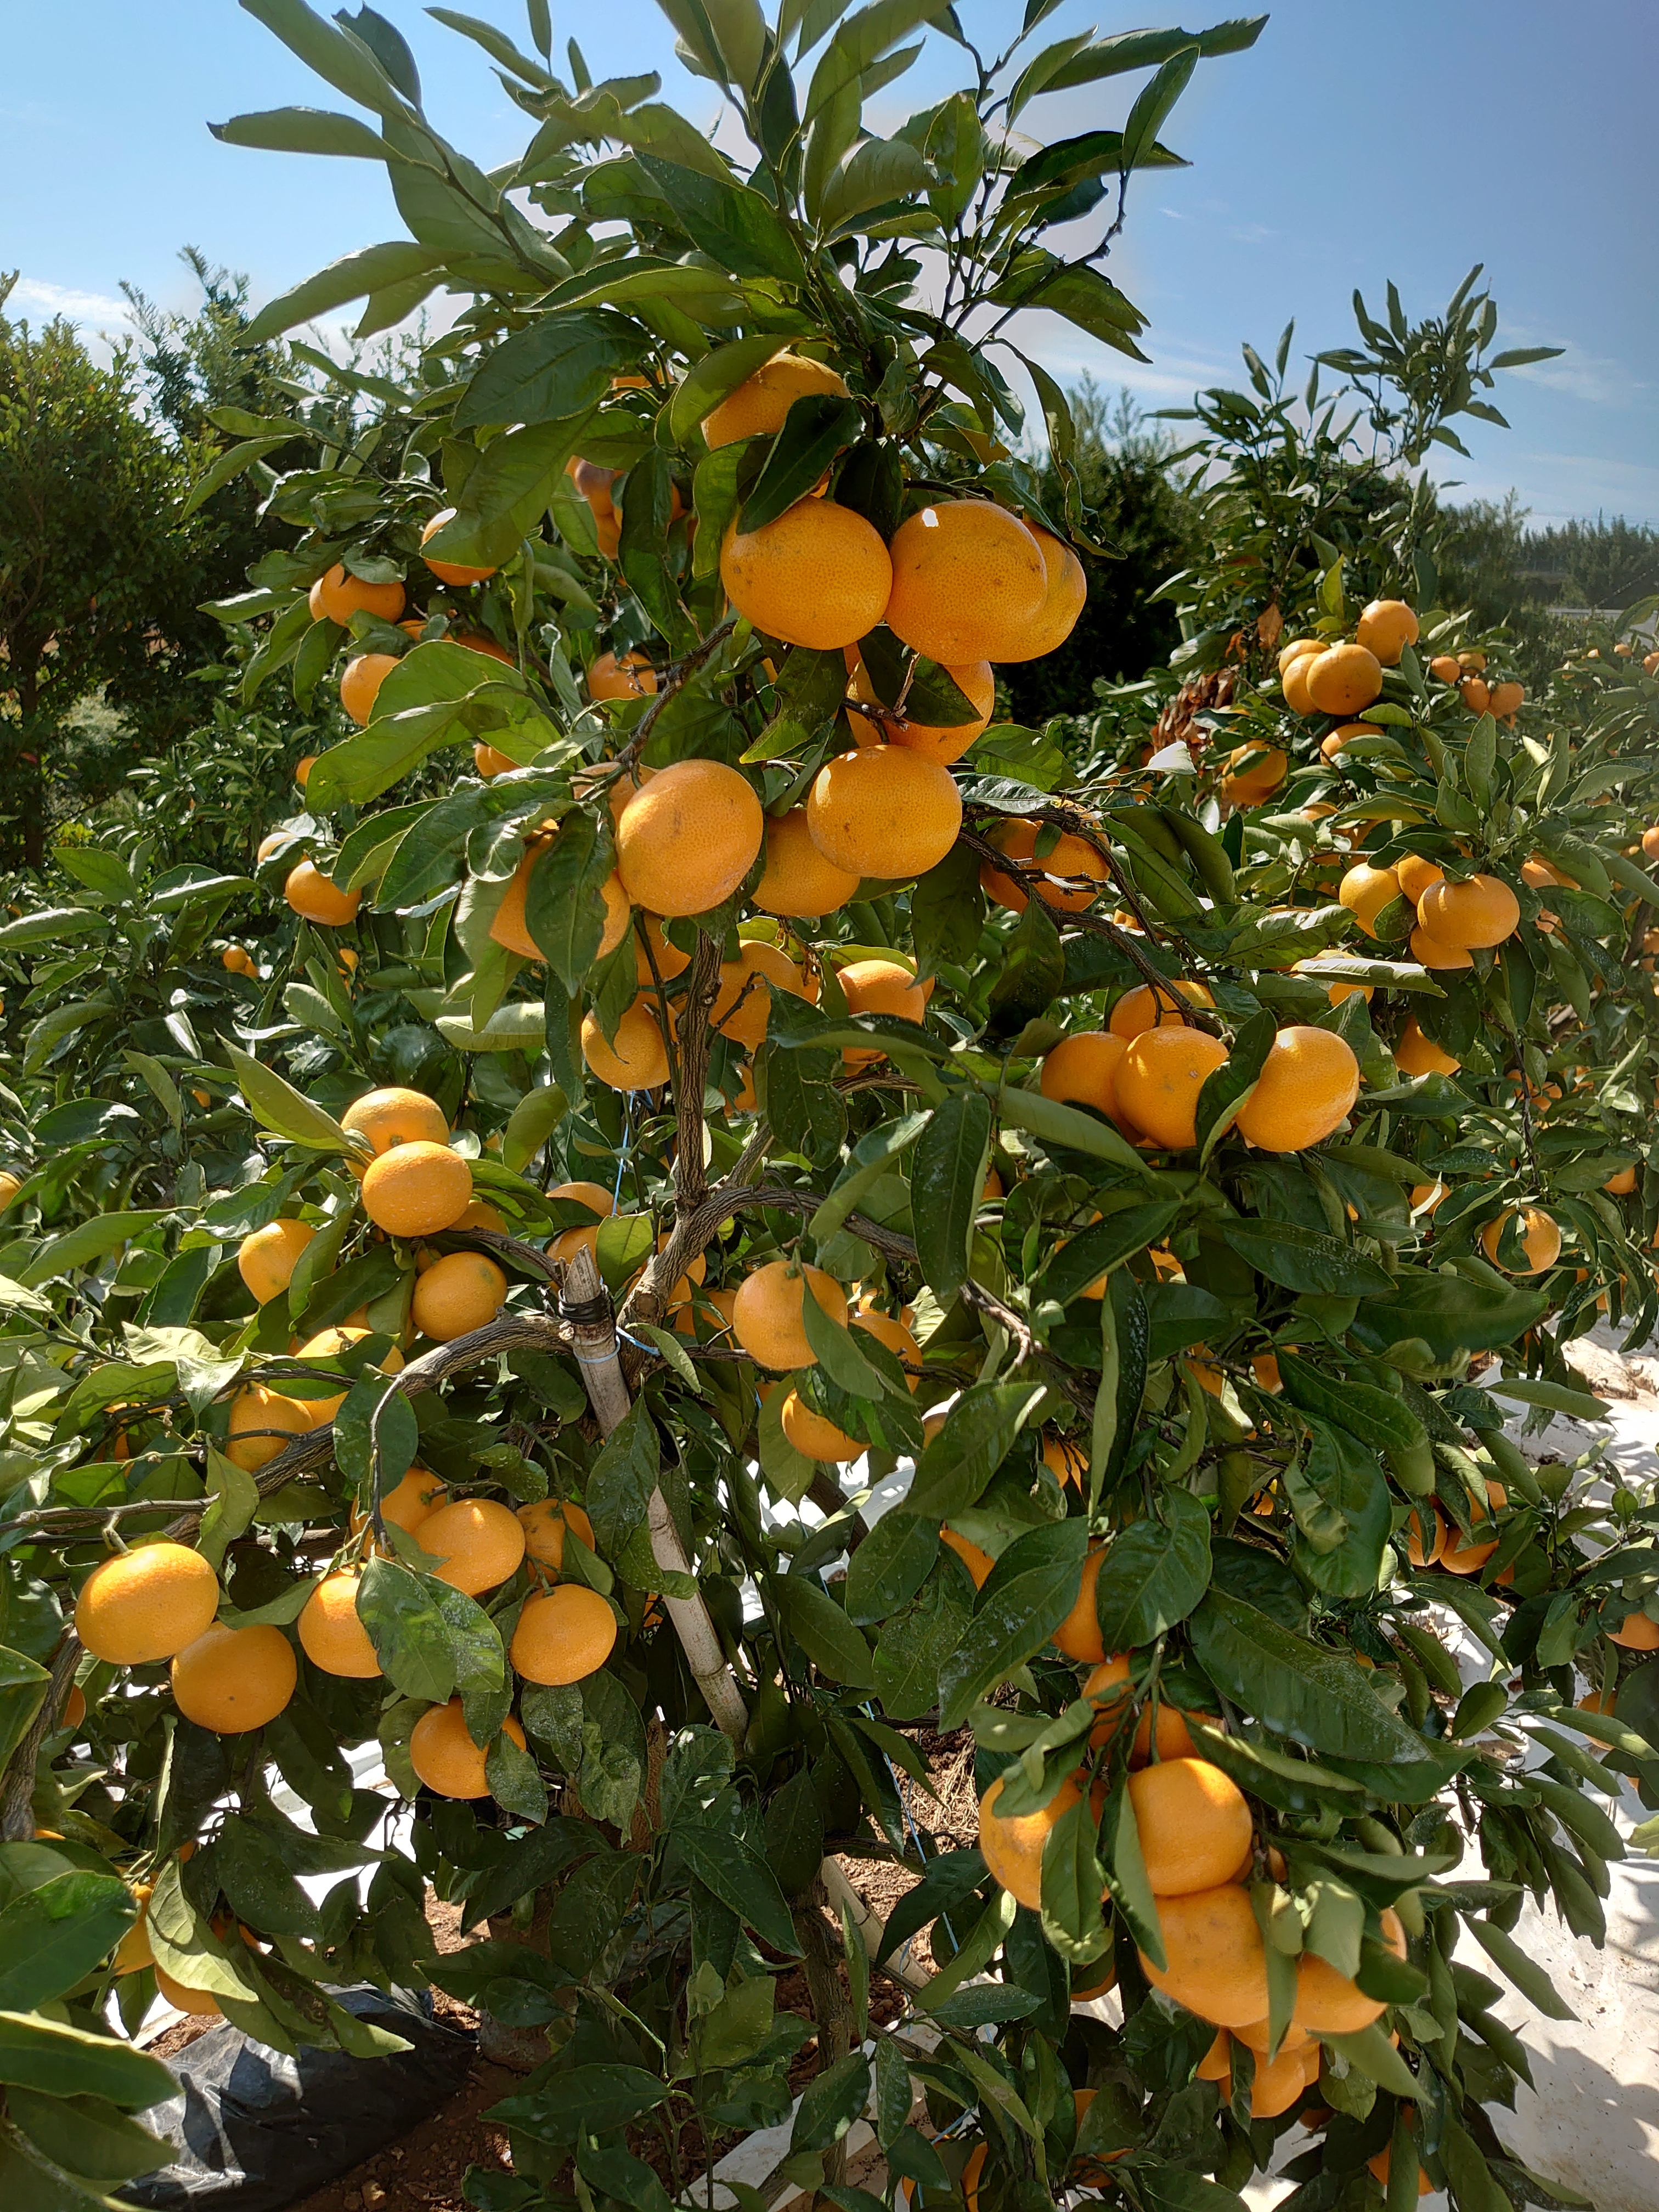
{"type": "Point", "coordinates": [838, 1354]}
{"type": "Point", "coordinates": [742, 1880]}
{"type": "Point", "coordinates": [560, 366]}
{"type": "Point", "coordinates": [53, 1935]}
{"type": "Point", "coordinates": [1377, 1417]}
{"type": "Point", "coordinates": [890, 1566]}
{"type": "Point", "coordinates": [430, 1639]}
{"type": "Point", "coordinates": [258, 1884]}
{"type": "Point", "coordinates": [278, 1107]}
{"type": "Point", "coordinates": [531, 1123]}
{"type": "Point", "coordinates": [1154, 1573]}
{"type": "Point", "coordinates": [85, 2136]}
{"type": "Point", "coordinates": [736, 226]}
{"type": "Point", "coordinates": [1068, 1126]}
{"type": "Point", "coordinates": [874, 173]}
{"type": "Point", "coordinates": [1297, 1688]}
{"type": "Point", "coordinates": [303, 131]}
{"type": "Point", "coordinates": [1018, 1610]}
{"type": "Point", "coordinates": [947, 1178]}
{"type": "Point", "coordinates": [1507, 1956]}
{"type": "Point", "coordinates": [1095, 1252]}
{"type": "Point", "coordinates": [979, 1433]}
{"type": "Point", "coordinates": [371, 268]}
{"type": "Point", "coordinates": [68, 2061]}
{"type": "Point", "coordinates": [1306, 1260]}
{"type": "Point", "coordinates": [824, 1630]}
{"type": "Point", "coordinates": [816, 430]}
{"type": "Point", "coordinates": [564, 912]}
{"type": "Point", "coordinates": [229, 464]}
{"type": "Point", "coordinates": [714, 378]}
{"type": "Point", "coordinates": [22, 1691]}
{"type": "Point", "coordinates": [831, 2102]}
{"type": "Point", "coordinates": [1126, 1873]}
{"type": "Point", "coordinates": [592, 2099]}
{"type": "Point", "coordinates": [1073, 1884]}
{"type": "Point", "coordinates": [47, 925]}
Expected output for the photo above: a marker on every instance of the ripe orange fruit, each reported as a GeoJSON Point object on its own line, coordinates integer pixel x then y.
{"type": "Point", "coordinates": [458, 573]}
{"type": "Point", "coordinates": [1159, 1081]}
{"type": "Point", "coordinates": [1476, 697]}
{"type": "Point", "coordinates": [331, 1635]}
{"type": "Point", "coordinates": [1091, 1982]}
{"type": "Point", "coordinates": [979, 1564]}
{"type": "Point", "coordinates": [462, 1291]}
{"type": "Point", "coordinates": [1306, 1090]}
{"type": "Point", "coordinates": [302, 769]}
{"type": "Point", "coordinates": [480, 1543]}
{"type": "Point", "coordinates": [895, 1335]}
{"type": "Point", "coordinates": [360, 684]}
{"type": "Point", "coordinates": [1195, 1825]}
{"type": "Point", "coordinates": [968, 583]}
{"type": "Point", "coordinates": [233, 1680]}
{"type": "Point", "coordinates": [1293, 682]}
{"type": "Point", "coordinates": [396, 1116]}
{"type": "Point", "coordinates": [819, 1438]}
{"type": "Point", "coordinates": [940, 743]}
{"type": "Point", "coordinates": [743, 1004]}
{"type": "Point", "coordinates": [1481, 912]}
{"type": "Point", "coordinates": [760, 403]}
{"type": "Point", "coordinates": [1328, 2003]}
{"type": "Point", "coordinates": [798, 881]}
{"type": "Point", "coordinates": [884, 811]}
{"type": "Point", "coordinates": [337, 596]}
{"type": "Point", "coordinates": [1505, 699]}
{"type": "Point", "coordinates": [262, 1423]}
{"type": "Point", "coordinates": [1335, 741]}
{"type": "Point", "coordinates": [1415, 875]}
{"type": "Point", "coordinates": [1078, 1634]}
{"type": "Point", "coordinates": [491, 764]}
{"type": "Point", "coordinates": [1379, 2166]}
{"type": "Point", "coordinates": [563, 1635]}
{"type": "Point", "coordinates": [1429, 952]}
{"type": "Point", "coordinates": [818, 576]}
{"type": "Point", "coordinates": [1012, 1848]}
{"type": "Point", "coordinates": [1107, 1686]}
{"type": "Point", "coordinates": [1636, 1632]}
{"type": "Point", "coordinates": [1066, 589]}
{"type": "Point", "coordinates": [570, 1242]}
{"type": "Point", "coordinates": [1365, 890]}
{"type": "Point", "coordinates": [1135, 1013]}
{"type": "Point", "coordinates": [1462, 1558]}
{"type": "Point", "coordinates": [329, 1344]}
{"type": "Point", "coordinates": [545, 1524]}
{"type": "Point", "coordinates": [146, 1603]}
{"type": "Point", "coordinates": [1343, 679]}
{"type": "Point", "coordinates": [75, 1707]}
{"type": "Point", "coordinates": [416, 1189]}
{"type": "Point", "coordinates": [509, 929]}
{"type": "Point", "coordinates": [1621, 1184]}
{"type": "Point", "coordinates": [1218, 1965]}
{"type": "Point", "coordinates": [1385, 628]}
{"type": "Point", "coordinates": [200, 2003]}
{"type": "Point", "coordinates": [445, 1757]}
{"type": "Point", "coordinates": [1295, 648]}
{"type": "Point", "coordinates": [687, 839]}
{"type": "Point", "coordinates": [669, 960]}
{"type": "Point", "coordinates": [266, 1258]}
{"type": "Point", "coordinates": [766, 1315]}
{"type": "Point", "coordinates": [315, 898]}
{"type": "Point", "coordinates": [416, 1499]}
{"type": "Point", "coordinates": [880, 986]}
{"type": "Point", "coordinates": [631, 677]}
{"type": "Point", "coordinates": [1081, 1071]}
{"type": "Point", "coordinates": [636, 1058]}
{"type": "Point", "coordinates": [1415, 1055]}
{"type": "Point", "coordinates": [1444, 665]}
{"type": "Point", "coordinates": [1540, 1240]}
{"type": "Point", "coordinates": [1071, 857]}
{"type": "Point", "coordinates": [1253, 774]}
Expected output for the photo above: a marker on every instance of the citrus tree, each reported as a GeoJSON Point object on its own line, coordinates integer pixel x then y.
{"type": "Point", "coordinates": [688, 1047]}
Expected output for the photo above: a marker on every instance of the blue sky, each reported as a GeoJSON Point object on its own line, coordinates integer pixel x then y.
{"type": "Point", "coordinates": [1357, 142]}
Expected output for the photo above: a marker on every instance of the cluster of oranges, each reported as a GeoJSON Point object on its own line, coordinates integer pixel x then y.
{"type": "Point", "coordinates": [1198, 1843]}
{"type": "Point", "coordinates": [1145, 1071]}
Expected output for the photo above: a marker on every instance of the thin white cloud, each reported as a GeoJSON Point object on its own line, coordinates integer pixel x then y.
{"type": "Point", "coordinates": [30, 292]}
